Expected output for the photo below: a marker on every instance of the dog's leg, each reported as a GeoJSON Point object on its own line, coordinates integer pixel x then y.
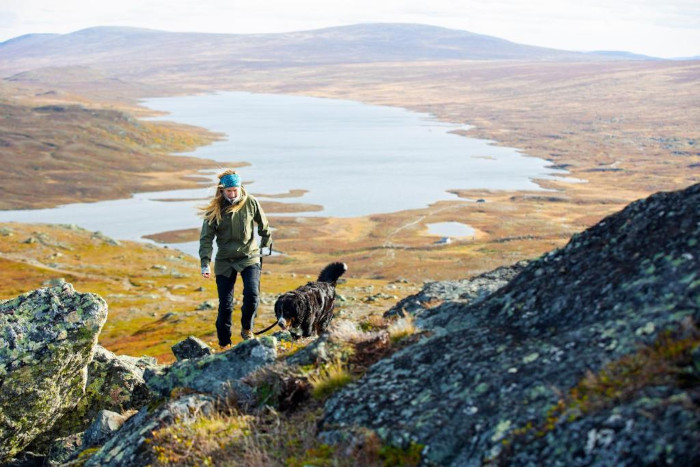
{"type": "Point", "coordinates": [307, 327]}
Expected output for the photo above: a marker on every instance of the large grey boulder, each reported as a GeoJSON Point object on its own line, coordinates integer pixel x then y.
{"type": "Point", "coordinates": [47, 339]}
{"type": "Point", "coordinates": [214, 374]}
{"type": "Point", "coordinates": [130, 445]}
{"type": "Point", "coordinates": [488, 373]}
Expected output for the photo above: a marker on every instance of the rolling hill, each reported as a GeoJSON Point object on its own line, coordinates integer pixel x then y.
{"type": "Point", "coordinates": [124, 49]}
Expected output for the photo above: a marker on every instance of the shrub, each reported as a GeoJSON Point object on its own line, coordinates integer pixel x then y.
{"type": "Point", "coordinates": [402, 328]}
{"type": "Point", "coordinates": [330, 378]}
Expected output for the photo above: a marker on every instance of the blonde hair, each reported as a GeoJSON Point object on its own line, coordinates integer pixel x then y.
{"type": "Point", "coordinates": [218, 206]}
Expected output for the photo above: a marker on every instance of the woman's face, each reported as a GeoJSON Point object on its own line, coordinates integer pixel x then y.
{"type": "Point", "coordinates": [232, 193]}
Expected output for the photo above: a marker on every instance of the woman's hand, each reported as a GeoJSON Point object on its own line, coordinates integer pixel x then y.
{"type": "Point", "coordinates": [206, 272]}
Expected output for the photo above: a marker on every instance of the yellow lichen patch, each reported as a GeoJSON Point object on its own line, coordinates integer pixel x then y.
{"type": "Point", "coordinates": [655, 365]}
{"type": "Point", "coordinates": [662, 364]}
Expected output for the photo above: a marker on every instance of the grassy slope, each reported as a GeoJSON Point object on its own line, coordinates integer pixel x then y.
{"type": "Point", "coordinates": [62, 149]}
{"type": "Point", "coordinates": [152, 292]}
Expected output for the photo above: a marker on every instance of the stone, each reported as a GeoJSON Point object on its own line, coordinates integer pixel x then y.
{"type": "Point", "coordinates": [465, 291]}
{"type": "Point", "coordinates": [103, 427]}
{"type": "Point", "coordinates": [47, 339]}
{"type": "Point", "coordinates": [63, 449]}
{"type": "Point", "coordinates": [215, 374]}
{"type": "Point", "coordinates": [114, 382]}
{"type": "Point", "coordinates": [207, 305]}
{"type": "Point", "coordinates": [191, 348]}
{"type": "Point", "coordinates": [130, 445]}
{"type": "Point", "coordinates": [26, 459]}
{"type": "Point", "coordinates": [110, 241]}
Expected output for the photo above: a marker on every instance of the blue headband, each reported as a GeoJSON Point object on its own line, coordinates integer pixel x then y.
{"type": "Point", "coordinates": [231, 180]}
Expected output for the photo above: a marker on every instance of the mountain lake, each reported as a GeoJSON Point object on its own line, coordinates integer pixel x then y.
{"type": "Point", "coordinates": [351, 158]}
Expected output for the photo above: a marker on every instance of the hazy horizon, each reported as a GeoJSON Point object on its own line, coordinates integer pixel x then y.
{"type": "Point", "coordinates": [666, 30]}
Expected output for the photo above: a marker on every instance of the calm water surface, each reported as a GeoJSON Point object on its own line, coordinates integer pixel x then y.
{"type": "Point", "coordinates": [451, 229]}
{"type": "Point", "coordinates": [354, 159]}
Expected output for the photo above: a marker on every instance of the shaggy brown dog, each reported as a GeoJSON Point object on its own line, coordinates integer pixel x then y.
{"type": "Point", "coordinates": [309, 308]}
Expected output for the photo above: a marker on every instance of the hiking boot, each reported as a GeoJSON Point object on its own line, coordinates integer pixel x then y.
{"type": "Point", "coordinates": [247, 334]}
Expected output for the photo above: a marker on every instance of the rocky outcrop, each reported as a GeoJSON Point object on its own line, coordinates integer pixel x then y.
{"type": "Point", "coordinates": [63, 449]}
{"type": "Point", "coordinates": [491, 373]}
{"type": "Point", "coordinates": [103, 427]}
{"type": "Point", "coordinates": [216, 374]}
{"type": "Point", "coordinates": [47, 339]}
{"type": "Point", "coordinates": [467, 291]}
{"type": "Point", "coordinates": [191, 348]}
{"type": "Point", "coordinates": [114, 383]}
{"type": "Point", "coordinates": [130, 446]}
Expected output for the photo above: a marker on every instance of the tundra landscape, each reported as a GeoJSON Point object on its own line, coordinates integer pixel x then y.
{"type": "Point", "coordinates": [623, 126]}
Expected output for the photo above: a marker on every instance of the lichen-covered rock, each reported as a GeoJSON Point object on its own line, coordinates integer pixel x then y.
{"type": "Point", "coordinates": [466, 291]}
{"type": "Point", "coordinates": [660, 424]}
{"type": "Point", "coordinates": [129, 445]}
{"type": "Point", "coordinates": [26, 459]}
{"type": "Point", "coordinates": [334, 344]}
{"type": "Point", "coordinates": [493, 368]}
{"type": "Point", "coordinates": [114, 382]}
{"type": "Point", "coordinates": [63, 449]}
{"type": "Point", "coordinates": [47, 339]}
{"type": "Point", "coordinates": [106, 423]}
{"type": "Point", "coordinates": [214, 374]}
{"type": "Point", "coordinates": [191, 348]}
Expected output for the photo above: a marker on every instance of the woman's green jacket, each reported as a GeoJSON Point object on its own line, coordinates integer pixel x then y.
{"type": "Point", "coordinates": [234, 238]}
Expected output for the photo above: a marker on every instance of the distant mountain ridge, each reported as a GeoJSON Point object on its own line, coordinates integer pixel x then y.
{"type": "Point", "coordinates": [362, 43]}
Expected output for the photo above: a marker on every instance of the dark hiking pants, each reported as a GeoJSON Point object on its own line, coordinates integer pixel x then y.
{"type": "Point", "coordinates": [224, 286]}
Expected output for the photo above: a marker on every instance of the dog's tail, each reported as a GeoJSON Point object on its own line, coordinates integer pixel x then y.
{"type": "Point", "coordinates": [332, 272]}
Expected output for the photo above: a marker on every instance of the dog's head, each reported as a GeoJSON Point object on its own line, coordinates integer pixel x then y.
{"type": "Point", "coordinates": [285, 312]}
{"type": "Point", "coordinates": [282, 323]}
{"type": "Point", "coordinates": [287, 322]}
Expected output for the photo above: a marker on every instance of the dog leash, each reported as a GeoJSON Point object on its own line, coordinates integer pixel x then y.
{"type": "Point", "coordinates": [266, 329]}
{"type": "Point", "coordinates": [261, 256]}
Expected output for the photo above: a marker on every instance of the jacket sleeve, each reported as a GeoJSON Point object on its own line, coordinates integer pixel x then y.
{"type": "Point", "coordinates": [263, 226]}
{"type": "Point", "coordinates": [206, 238]}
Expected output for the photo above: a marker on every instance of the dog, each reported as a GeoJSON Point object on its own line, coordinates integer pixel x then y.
{"type": "Point", "coordinates": [309, 308]}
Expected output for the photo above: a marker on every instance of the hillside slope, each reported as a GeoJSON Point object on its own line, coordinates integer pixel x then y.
{"type": "Point", "coordinates": [590, 355]}
{"type": "Point", "coordinates": [59, 153]}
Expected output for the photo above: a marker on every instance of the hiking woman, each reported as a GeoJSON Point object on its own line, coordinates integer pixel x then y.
{"type": "Point", "coordinates": [230, 217]}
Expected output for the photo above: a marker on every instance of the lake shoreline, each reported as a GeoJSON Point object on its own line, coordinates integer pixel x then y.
{"type": "Point", "coordinates": [308, 141]}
